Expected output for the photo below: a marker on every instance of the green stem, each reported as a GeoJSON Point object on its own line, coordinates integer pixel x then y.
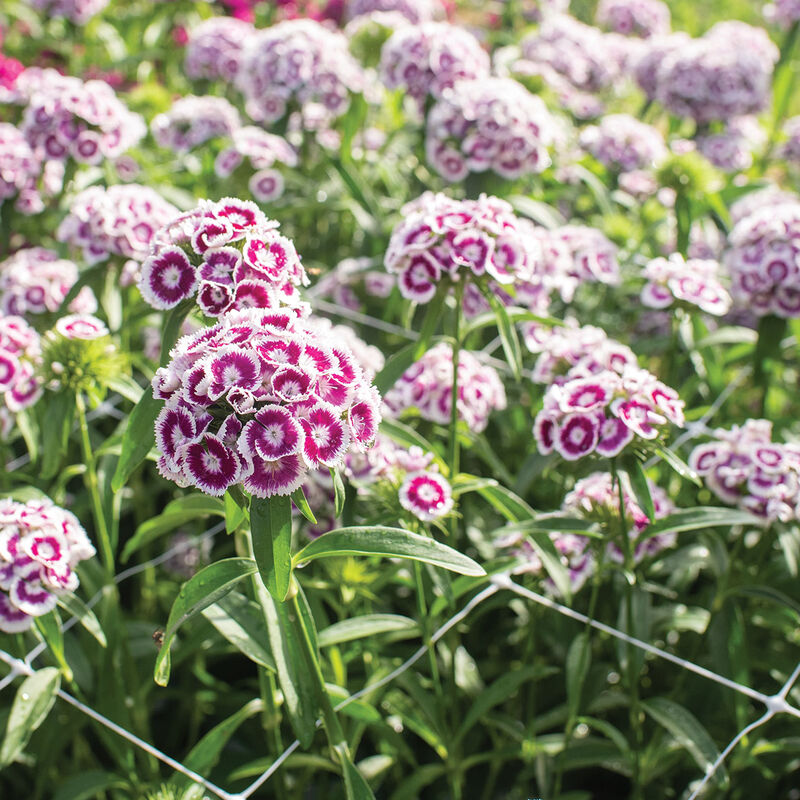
{"type": "Point", "coordinates": [453, 451]}
{"type": "Point", "coordinates": [423, 619]}
{"type": "Point", "coordinates": [93, 487]}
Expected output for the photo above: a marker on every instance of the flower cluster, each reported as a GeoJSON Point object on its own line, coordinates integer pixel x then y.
{"type": "Point", "coordinates": [40, 545]}
{"type": "Point", "coordinates": [745, 468]}
{"type": "Point", "coordinates": [415, 11]}
{"type": "Point", "coordinates": [68, 118]}
{"type": "Point", "coordinates": [300, 62]}
{"type": "Point", "coordinates": [20, 351]}
{"type": "Point", "coordinates": [623, 143]}
{"type": "Point", "coordinates": [427, 386]}
{"type": "Point", "coordinates": [763, 260]}
{"type": "Point", "coordinates": [115, 221]}
{"type": "Point", "coordinates": [77, 11]}
{"type": "Point", "coordinates": [724, 74]}
{"type": "Point", "coordinates": [603, 413]}
{"type": "Point", "coordinates": [36, 280]}
{"type": "Point", "coordinates": [259, 399]}
{"type": "Point", "coordinates": [574, 350]}
{"type": "Point", "coordinates": [784, 12]}
{"type": "Point", "coordinates": [790, 148]}
{"type": "Point", "coordinates": [489, 124]}
{"type": "Point", "coordinates": [228, 254]}
{"type": "Point", "coordinates": [215, 46]}
{"type": "Point", "coordinates": [429, 58]}
{"type": "Point", "coordinates": [643, 18]}
{"type": "Point", "coordinates": [262, 150]}
{"type": "Point", "coordinates": [694, 281]}
{"type": "Point", "coordinates": [19, 168]}
{"type": "Point", "coordinates": [368, 357]}
{"type": "Point", "coordinates": [729, 149]}
{"type": "Point", "coordinates": [597, 497]}
{"type": "Point", "coordinates": [647, 63]}
{"type": "Point", "coordinates": [191, 121]}
{"type": "Point", "coordinates": [10, 70]}
{"type": "Point", "coordinates": [441, 238]}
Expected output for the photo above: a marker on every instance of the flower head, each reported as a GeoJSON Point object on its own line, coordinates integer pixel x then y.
{"type": "Point", "coordinates": [694, 281]}
{"type": "Point", "coordinates": [77, 11]}
{"type": "Point", "coordinates": [20, 355]}
{"type": "Point", "coordinates": [192, 121]}
{"type": "Point", "coordinates": [19, 169]}
{"type": "Point", "coordinates": [644, 18]}
{"type": "Point", "coordinates": [214, 49]}
{"type": "Point", "coordinates": [623, 143]}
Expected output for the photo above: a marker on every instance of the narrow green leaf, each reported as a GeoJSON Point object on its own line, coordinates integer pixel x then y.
{"type": "Point", "coordinates": [301, 503]}
{"type": "Point", "coordinates": [641, 489]}
{"type": "Point", "coordinates": [488, 319]}
{"type": "Point", "coordinates": [355, 787]}
{"type": "Point", "coordinates": [49, 626]}
{"type": "Point", "coordinates": [88, 785]}
{"type": "Point", "coordinates": [688, 732]}
{"type": "Point", "coordinates": [405, 435]}
{"type": "Point", "coordinates": [693, 519]}
{"type": "Point", "coordinates": [769, 593]}
{"type": "Point", "coordinates": [32, 703]}
{"type": "Point", "coordinates": [508, 334]}
{"type": "Point", "coordinates": [239, 620]}
{"type": "Point", "coordinates": [77, 608]}
{"type": "Point", "coordinates": [171, 330]}
{"type": "Point", "coordinates": [583, 527]}
{"type": "Point", "coordinates": [550, 557]}
{"type": "Point", "coordinates": [679, 465]}
{"type": "Point", "coordinates": [395, 366]}
{"type": "Point", "coordinates": [29, 431]}
{"type": "Point", "coordinates": [512, 507]}
{"type": "Point", "coordinates": [138, 439]}
{"type": "Point", "coordinates": [236, 509]}
{"type": "Point", "coordinates": [57, 418]}
{"type": "Point", "coordinates": [339, 492]}
{"type": "Point", "coordinates": [199, 592]}
{"type": "Point", "coordinates": [369, 625]}
{"type": "Point", "coordinates": [126, 386]}
{"type": "Point", "coordinates": [433, 316]}
{"type": "Point", "coordinates": [392, 542]}
{"type": "Point", "coordinates": [271, 526]}
{"type": "Point", "coordinates": [355, 709]}
{"type": "Point", "coordinates": [579, 658]}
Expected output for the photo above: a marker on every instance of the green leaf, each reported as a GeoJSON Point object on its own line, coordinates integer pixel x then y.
{"type": "Point", "coordinates": [693, 519]}
{"type": "Point", "coordinates": [550, 557]}
{"type": "Point", "coordinates": [688, 732]}
{"type": "Point", "coordinates": [579, 657]}
{"type": "Point", "coordinates": [49, 626]}
{"type": "Point", "coordinates": [508, 334]}
{"type": "Point", "coordinates": [32, 704]}
{"type": "Point", "coordinates": [271, 526]}
{"type": "Point", "coordinates": [355, 787]}
{"type": "Point", "coordinates": [679, 465]}
{"type": "Point", "coordinates": [511, 506]}
{"type": "Point", "coordinates": [539, 212]}
{"type": "Point", "coordinates": [355, 709]}
{"type": "Point", "coordinates": [641, 489]}
{"type": "Point", "coordinates": [301, 503]}
{"type": "Point", "coordinates": [29, 432]}
{"type": "Point", "coordinates": [235, 509]}
{"type": "Point", "coordinates": [488, 319]}
{"type": "Point", "coordinates": [138, 439]}
{"type": "Point", "coordinates": [369, 625]}
{"type": "Point", "coordinates": [503, 688]}
{"type": "Point", "coordinates": [176, 513]}
{"type": "Point", "coordinates": [579, 525]}
{"type": "Point", "coordinates": [769, 593]}
{"type": "Point", "coordinates": [433, 316]}
{"type": "Point", "coordinates": [405, 435]}
{"type": "Point", "coordinates": [171, 330]}
{"type": "Point", "coordinates": [125, 385]}
{"type": "Point", "coordinates": [339, 492]}
{"type": "Point", "coordinates": [204, 756]}
{"type": "Point", "coordinates": [395, 366]}
{"type": "Point", "coordinates": [56, 424]}
{"type": "Point", "coordinates": [199, 592]}
{"type": "Point", "coordinates": [77, 608]}
{"type": "Point", "coordinates": [392, 542]}
{"type": "Point", "coordinates": [88, 785]}
{"type": "Point", "coordinates": [239, 620]}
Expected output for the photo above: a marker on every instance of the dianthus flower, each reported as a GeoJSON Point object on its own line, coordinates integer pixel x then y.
{"type": "Point", "coordinates": [573, 350]}
{"type": "Point", "coordinates": [258, 399]}
{"type": "Point", "coordinates": [724, 74]}
{"type": "Point", "coordinates": [262, 150]}
{"type": "Point", "coordinates": [745, 468]}
{"type": "Point", "coordinates": [604, 412]}
{"type": "Point", "coordinates": [647, 63]}
{"type": "Point", "coordinates": [36, 280]}
{"type": "Point", "coordinates": [298, 62]}
{"type": "Point", "coordinates": [20, 352]}
{"type": "Point", "coordinates": [790, 149]}
{"type": "Point", "coordinates": [115, 221]}
{"type": "Point", "coordinates": [623, 143]}
{"type": "Point", "coordinates": [10, 70]}
{"type": "Point", "coordinates": [489, 124]}
{"type": "Point", "coordinates": [694, 281]}
{"type": "Point", "coordinates": [19, 167]}
{"type": "Point", "coordinates": [191, 121]}
{"type": "Point", "coordinates": [68, 118]}
{"type": "Point", "coordinates": [445, 239]}
{"type": "Point", "coordinates": [429, 58]}
{"type": "Point", "coordinates": [77, 11]}
{"type": "Point", "coordinates": [763, 260]}
{"type": "Point", "coordinates": [367, 356]}
{"type": "Point", "coordinates": [415, 11]}
{"type": "Point", "coordinates": [761, 198]}
{"type": "Point", "coordinates": [40, 545]}
{"type": "Point", "coordinates": [784, 12]}
{"type": "Point", "coordinates": [227, 253]}
{"type": "Point", "coordinates": [427, 495]}
{"type": "Point", "coordinates": [643, 18]}
{"type": "Point", "coordinates": [597, 497]}
{"type": "Point", "coordinates": [427, 386]}
{"type": "Point", "coordinates": [215, 47]}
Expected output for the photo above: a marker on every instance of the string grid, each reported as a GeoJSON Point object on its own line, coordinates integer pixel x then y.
{"type": "Point", "coordinates": [774, 704]}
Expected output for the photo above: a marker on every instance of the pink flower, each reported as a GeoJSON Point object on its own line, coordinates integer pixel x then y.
{"type": "Point", "coordinates": [20, 352]}
{"type": "Point", "coordinates": [215, 46]}
{"type": "Point", "coordinates": [81, 326]}
{"type": "Point", "coordinates": [427, 495]}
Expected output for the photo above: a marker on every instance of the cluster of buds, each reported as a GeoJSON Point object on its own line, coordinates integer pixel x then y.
{"type": "Point", "coordinates": [214, 49]}
{"type": "Point", "coordinates": [20, 352]}
{"type": "Point", "coordinates": [573, 350]}
{"type": "Point", "coordinates": [644, 18]}
{"type": "Point", "coordinates": [745, 468]}
{"type": "Point", "coordinates": [763, 260]}
{"type": "Point", "coordinates": [427, 386]}
{"type": "Point", "coordinates": [118, 221]}
{"type": "Point", "coordinates": [35, 280]}
{"type": "Point", "coordinates": [489, 124]}
{"type": "Point", "coordinates": [441, 239]}
{"type": "Point", "coordinates": [68, 118]}
{"type": "Point", "coordinates": [300, 62]}
{"type": "Point", "coordinates": [19, 169]}
{"type": "Point", "coordinates": [429, 58]}
{"type": "Point", "coordinates": [227, 253]}
{"type": "Point", "coordinates": [77, 11]}
{"type": "Point", "coordinates": [694, 281]}
{"type": "Point", "coordinates": [258, 400]}
{"type": "Point", "coordinates": [262, 150]}
{"type": "Point", "coordinates": [604, 412]}
{"type": "Point", "coordinates": [624, 144]}
{"type": "Point", "coordinates": [40, 546]}
{"type": "Point", "coordinates": [191, 121]}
